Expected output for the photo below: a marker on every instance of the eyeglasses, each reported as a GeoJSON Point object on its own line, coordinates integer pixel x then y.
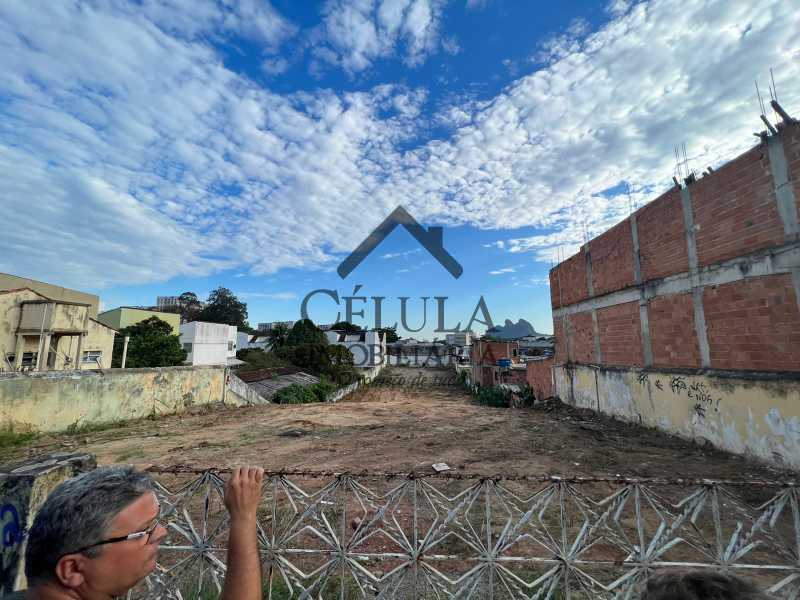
{"type": "Point", "coordinates": [124, 538]}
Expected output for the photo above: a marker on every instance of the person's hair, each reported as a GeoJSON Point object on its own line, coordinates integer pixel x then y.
{"type": "Point", "coordinates": [699, 585]}
{"type": "Point", "coordinates": [78, 513]}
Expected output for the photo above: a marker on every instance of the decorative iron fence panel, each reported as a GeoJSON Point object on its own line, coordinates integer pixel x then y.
{"type": "Point", "coordinates": [326, 535]}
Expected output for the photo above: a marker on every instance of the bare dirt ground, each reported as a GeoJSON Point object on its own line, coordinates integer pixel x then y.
{"type": "Point", "coordinates": [403, 429]}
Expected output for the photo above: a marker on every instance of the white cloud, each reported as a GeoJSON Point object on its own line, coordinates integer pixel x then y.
{"type": "Point", "coordinates": [503, 271]}
{"type": "Point", "coordinates": [275, 65]}
{"type": "Point", "coordinates": [403, 254]}
{"type": "Point", "coordinates": [268, 296]}
{"type": "Point", "coordinates": [355, 33]}
{"type": "Point", "coordinates": [130, 153]}
{"type": "Point", "coordinates": [450, 45]}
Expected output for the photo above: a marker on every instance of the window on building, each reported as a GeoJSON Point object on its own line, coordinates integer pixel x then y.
{"type": "Point", "coordinates": [92, 357]}
{"type": "Point", "coordinates": [187, 347]}
{"type": "Point", "coordinates": [514, 352]}
{"type": "Point", "coordinates": [29, 359]}
{"type": "Point", "coordinates": [231, 346]}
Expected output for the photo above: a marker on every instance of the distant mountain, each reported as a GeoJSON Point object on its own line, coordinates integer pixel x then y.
{"type": "Point", "coordinates": [511, 330]}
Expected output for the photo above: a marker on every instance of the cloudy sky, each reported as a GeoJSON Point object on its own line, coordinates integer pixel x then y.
{"type": "Point", "coordinates": [159, 146]}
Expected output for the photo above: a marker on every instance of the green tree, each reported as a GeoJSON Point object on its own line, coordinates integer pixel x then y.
{"type": "Point", "coordinates": [151, 344]}
{"type": "Point", "coordinates": [277, 336]}
{"type": "Point", "coordinates": [223, 307]}
{"type": "Point", "coordinates": [189, 306]}
{"type": "Point", "coordinates": [305, 332]}
{"type": "Point", "coordinates": [391, 334]}
{"type": "Point", "coordinates": [347, 327]}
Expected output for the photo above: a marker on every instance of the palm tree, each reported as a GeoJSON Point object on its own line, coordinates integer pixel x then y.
{"type": "Point", "coordinates": [277, 336]}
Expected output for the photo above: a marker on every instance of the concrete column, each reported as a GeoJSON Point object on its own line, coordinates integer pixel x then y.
{"type": "Point", "coordinates": [644, 317]}
{"type": "Point", "coordinates": [18, 351]}
{"type": "Point", "coordinates": [697, 290]}
{"type": "Point", "coordinates": [44, 350]}
{"type": "Point", "coordinates": [784, 194]}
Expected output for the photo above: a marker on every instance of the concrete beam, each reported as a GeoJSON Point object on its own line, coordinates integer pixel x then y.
{"type": "Point", "coordinates": [775, 261]}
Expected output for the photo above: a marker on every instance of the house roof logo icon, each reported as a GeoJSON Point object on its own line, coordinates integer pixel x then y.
{"type": "Point", "coordinates": [430, 239]}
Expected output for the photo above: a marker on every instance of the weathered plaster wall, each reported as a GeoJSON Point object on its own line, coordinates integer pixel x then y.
{"type": "Point", "coordinates": [54, 400]}
{"type": "Point", "coordinates": [758, 417]}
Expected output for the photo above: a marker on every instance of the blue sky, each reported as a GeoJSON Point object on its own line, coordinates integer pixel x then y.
{"type": "Point", "coordinates": [153, 147]}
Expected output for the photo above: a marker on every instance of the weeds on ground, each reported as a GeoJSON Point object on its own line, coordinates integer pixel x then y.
{"type": "Point", "coordinates": [76, 429]}
{"type": "Point", "coordinates": [10, 438]}
{"type": "Point", "coordinates": [300, 394]}
{"type": "Point", "coordinates": [492, 396]}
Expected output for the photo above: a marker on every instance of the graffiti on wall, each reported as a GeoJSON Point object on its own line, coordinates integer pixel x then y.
{"type": "Point", "coordinates": [698, 392]}
{"type": "Point", "coordinates": [11, 539]}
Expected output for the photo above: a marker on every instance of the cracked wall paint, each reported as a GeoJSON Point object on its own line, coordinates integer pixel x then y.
{"type": "Point", "coordinates": [55, 400]}
{"type": "Point", "coordinates": [757, 418]}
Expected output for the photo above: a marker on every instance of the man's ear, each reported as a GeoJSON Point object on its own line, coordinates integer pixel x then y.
{"type": "Point", "coordinates": [69, 570]}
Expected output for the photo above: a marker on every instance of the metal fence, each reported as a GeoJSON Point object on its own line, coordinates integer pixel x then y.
{"type": "Point", "coordinates": [388, 535]}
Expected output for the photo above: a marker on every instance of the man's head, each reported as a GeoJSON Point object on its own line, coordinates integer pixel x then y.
{"type": "Point", "coordinates": [78, 538]}
{"type": "Point", "coordinates": [699, 585]}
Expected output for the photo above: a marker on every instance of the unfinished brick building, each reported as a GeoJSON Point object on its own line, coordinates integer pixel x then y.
{"type": "Point", "coordinates": [686, 316]}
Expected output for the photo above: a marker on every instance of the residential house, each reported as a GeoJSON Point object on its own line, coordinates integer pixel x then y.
{"type": "Point", "coordinates": [461, 338]}
{"type": "Point", "coordinates": [368, 347]}
{"type": "Point", "coordinates": [273, 324]}
{"type": "Point", "coordinates": [168, 303]}
{"type": "Point", "coordinates": [209, 343]}
{"type": "Point", "coordinates": [51, 291]}
{"type": "Point", "coordinates": [38, 333]}
{"type": "Point", "coordinates": [494, 363]}
{"type": "Point", "coordinates": [124, 316]}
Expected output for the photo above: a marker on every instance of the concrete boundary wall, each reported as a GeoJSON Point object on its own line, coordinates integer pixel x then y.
{"type": "Point", "coordinates": [739, 413]}
{"type": "Point", "coordinates": [57, 400]}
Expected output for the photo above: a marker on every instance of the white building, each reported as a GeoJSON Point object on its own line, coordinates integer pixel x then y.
{"type": "Point", "coordinates": [272, 324]}
{"type": "Point", "coordinates": [367, 347]}
{"type": "Point", "coordinates": [209, 343]}
{"type": "Point", "coordinates": [167, 302]}
{"type": "Point", "coordinates": [462, 338]}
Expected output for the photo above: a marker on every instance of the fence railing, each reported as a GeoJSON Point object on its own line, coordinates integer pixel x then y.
{"type": "Point", "coordinates": [390, 535]}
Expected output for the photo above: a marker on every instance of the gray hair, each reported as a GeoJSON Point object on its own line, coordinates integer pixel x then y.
{"type": "Point", "coordinates": [79, 513]}
{"type": "Point", "coordinates": [699, 585]}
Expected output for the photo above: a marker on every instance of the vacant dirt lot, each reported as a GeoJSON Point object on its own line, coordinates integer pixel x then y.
{"type": "Point", "coordinates": [403, 429]}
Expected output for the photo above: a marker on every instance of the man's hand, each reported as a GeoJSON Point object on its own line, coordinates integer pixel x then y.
{"type": "Point", "coordinates": [242, 496]}
{"type": "Point", "coordinates": [243, 493]}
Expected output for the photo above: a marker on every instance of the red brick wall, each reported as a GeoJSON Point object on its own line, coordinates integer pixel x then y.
{"type": "Point", "coordinates": [540, 379]}
{"type": "Point", "coordinates": [620, 334]}
{"type": "Point", "coordinates": [612, 259]}
{"type": "Point", "coordinates": [753, 324]}
{"type": "Point", "coordinates": [571, 275]}
{"type": "Point", "coordinates": [560, 351]}
{"type": "Point", "coordinates": [662, 240]}
{"type": "Point", "coordinates": [672, 331]}
{"type": "Point", "coordinates": [734, 209]}
{"type": "Point", "coordinates": [581, 338]}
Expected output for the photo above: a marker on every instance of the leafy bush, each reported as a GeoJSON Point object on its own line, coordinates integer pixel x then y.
{"type": "Point", "coordinates": [294, 394]}
{"type": "Point", "coordinates": [257, 359]}
{"type": "Point", "coordinates": [493, 396]}
{"type": "Point", "coordinates": [322, 390]}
